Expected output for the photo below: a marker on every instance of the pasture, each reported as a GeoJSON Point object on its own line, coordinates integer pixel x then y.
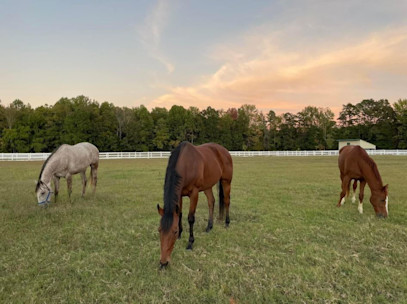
{"type": "Point", "coordinates": [287, 241]}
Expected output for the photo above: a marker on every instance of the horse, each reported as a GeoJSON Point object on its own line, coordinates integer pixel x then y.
{"type": "Point", "coordinates": [190, 170]}
{"type": "Point", "coordinates": [66, 161]}
{"type": "Point", "coordinates": [355, 164]}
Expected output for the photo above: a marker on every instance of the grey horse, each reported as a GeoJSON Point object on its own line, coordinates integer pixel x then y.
{"type": "Point", "coordinates": [66, 161]}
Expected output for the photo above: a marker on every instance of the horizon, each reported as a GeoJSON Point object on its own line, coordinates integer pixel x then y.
{"type": "Point", "coordinates": [263, 111]}
{"type": "Point", "coordinates": [272, 54]}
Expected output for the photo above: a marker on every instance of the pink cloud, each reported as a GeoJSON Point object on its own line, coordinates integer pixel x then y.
{"type": "Point", "coordinates": [273, 78]}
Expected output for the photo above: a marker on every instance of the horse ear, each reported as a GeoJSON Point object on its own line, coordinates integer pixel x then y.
{"type": "Point", "coordinates": [160, 210]}
{"type": "Point", "coordinates": [386, 189]}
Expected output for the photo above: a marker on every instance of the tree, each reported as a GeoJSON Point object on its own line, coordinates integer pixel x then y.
{"type": "Point", "coordinates": [226, 126]}
{"type": "Point", "coordinates": [378, 122]}
{"type": "Point", "coordinates": [288, 132]}
{"type": "Point", "coordinates": [105, 128]}
{"type": "Point", "coordinates": [210, 131]}
{"type": "Point", "coordinates": [273, 123]}
{"type": "Point", "coordinates": [325, 122]}
{"type": "Point", "coordinates": [177, 118]}
{"type": "Point", "coordinates": [161, 134]}
{"type": "Point", "coordinates": [123, 116]}
{"type": "Point", "coordinates": [400, 109]}
{"type": "Point", "coordinates": [349, 116]}
{"type": "Point", "coordinates": [23, 129]}
{"type": "Point", "coordinates": [193, 125]}
{"type": "Point", "coordinates": [78, 126]}
{"type": "Point", "coordinates": [140, 131]}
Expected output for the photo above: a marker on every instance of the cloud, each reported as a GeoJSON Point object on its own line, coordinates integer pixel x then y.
{"type": "Point", "coordinates": [265, 73]}
{"type": "Point", "coordinates": [150, 32]}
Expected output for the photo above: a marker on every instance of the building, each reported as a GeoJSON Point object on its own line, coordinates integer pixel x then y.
{"type": "Point", "coordinates": [356, 142]}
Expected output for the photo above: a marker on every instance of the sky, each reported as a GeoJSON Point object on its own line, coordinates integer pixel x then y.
{"type": "Point", "coordinates": [280, 55]}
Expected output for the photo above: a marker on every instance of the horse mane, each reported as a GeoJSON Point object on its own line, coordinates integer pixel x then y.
{"type": "Point", "coordinates": [171, 187]}
{"type": "Point", "coordinates": [373, 166]}
{"type": "Point", "coordinates": [43, 167]}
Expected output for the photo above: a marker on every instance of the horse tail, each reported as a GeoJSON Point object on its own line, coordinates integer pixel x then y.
{"type": "Point", "coordinates": [91, 175]}
{"type": "Point", "coordinates": [348, 187]}
{"type": "Point", "coordinates": [221, 199]}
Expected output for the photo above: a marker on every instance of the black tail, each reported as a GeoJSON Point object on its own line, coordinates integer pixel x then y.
{"type": "Point", "coordinates": [221, 200]}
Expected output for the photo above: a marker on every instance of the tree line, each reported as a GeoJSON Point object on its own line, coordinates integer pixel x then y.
{"type": "Point", "coordinates": [112, 128]}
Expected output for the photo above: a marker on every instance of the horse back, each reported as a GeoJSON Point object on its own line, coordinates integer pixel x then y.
{"type": "Point", "coordinates": [203, 166]}
{"type": "Point", "coordinates": [78, 157]}
{"type": "Point", "coordinates": [219, 155]}
{"type": "Point", "coordinates": [351, 160]}
{"type": "Point", "coordinates": [86, 152]}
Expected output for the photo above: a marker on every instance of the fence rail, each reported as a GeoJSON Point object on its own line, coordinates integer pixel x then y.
{"type": "Point", "coordinates": [166, 154]}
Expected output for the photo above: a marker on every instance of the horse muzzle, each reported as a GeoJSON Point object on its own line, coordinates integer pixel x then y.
{"type": "Point", "coordinates": [44, 203]}
{"type": "Point", "coordinates": [163, 265]}
{"type": "Point", "coordinates": [381, 215]}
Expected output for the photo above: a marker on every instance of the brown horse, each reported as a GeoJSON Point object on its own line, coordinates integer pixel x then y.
{"type": "Point", "coordinates": [190, 170]}
{"type": "Point", "coordinates": [354, 163]}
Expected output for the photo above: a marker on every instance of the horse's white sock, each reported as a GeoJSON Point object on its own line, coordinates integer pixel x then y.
{"type": "Point", "coordinates": [360, 208]}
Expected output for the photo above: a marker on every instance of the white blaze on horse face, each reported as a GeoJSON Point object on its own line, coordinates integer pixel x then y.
{"type": "Point", "coordinates": [343, 201]}
{"type": "Point", "coordinates": [360, 208]}
{"type": "Point", "coordinates": [387, 205]}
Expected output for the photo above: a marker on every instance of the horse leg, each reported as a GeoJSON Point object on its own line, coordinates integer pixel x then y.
{"type": "Point", "coordinates": [191, 216]}
{"type": "Point", "coordinates": [56, 187]}
{"type": "Point", "coordinates": [180, 218]}
{"type": "Point", "coordinates": [345, 189]}
{"type": "Point", "coordinates": [69, 183]}
{"type": "Point", "coordinates": [226, 192]}
{"type": "Point", "coordinates": [361, 195]}
{"type": "Point", "coordinates": [211, 204]}
{"type": "Point", "coordinates": [84, 182]}
{"type": "Point", "coordinates": [355, 185]}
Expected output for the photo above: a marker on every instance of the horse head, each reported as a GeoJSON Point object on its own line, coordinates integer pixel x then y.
{"type": "Point", "coordinates": [43, 192]}
{"type": "Point", "coordinates": [168, 235]}
{"type": "Point", "coordinates": [380, 201]}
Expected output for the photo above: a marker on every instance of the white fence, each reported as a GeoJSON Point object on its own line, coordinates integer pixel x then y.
{"type": "Point", "coordinates": [149, 155]}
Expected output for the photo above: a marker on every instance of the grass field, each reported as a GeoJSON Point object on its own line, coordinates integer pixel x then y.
{"type": "Point", "coordinates": [287, 241]}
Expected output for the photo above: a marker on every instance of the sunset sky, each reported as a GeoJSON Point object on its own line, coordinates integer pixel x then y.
{"type": "Point", "coordinates": [279, 55]}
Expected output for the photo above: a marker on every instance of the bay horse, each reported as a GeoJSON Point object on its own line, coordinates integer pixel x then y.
{"type": "Point", "coordinates": [66, 161]}
{"type": "Point", "coordinates": [190, 170]}
{"type": "Point", "coordinates": [355, 164]}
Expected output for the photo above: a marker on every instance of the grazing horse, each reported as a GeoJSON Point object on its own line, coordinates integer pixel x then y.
{"type": "Point", "coordinates": [354, 163]}
{"type": "Point", "coordinates": [64, 162]}
{"type": "Point", "coordinates": [192, 169]}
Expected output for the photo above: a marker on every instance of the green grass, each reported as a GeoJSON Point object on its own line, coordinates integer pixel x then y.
{"type": "Point", "coordinates": [287, 241]}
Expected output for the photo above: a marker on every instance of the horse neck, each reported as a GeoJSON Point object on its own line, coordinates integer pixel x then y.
{"type": "Point", "coordinates": [374, 181]}
{"type": "Point", "coordinates": [49, 170]}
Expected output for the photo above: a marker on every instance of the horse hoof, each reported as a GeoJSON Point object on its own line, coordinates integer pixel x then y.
{"type": "Point", "coordinates": [208, 229]}
{"type": "Point", "coordinates": [189, 247]}
{"type": "Point", "coordinates": [163, 266]}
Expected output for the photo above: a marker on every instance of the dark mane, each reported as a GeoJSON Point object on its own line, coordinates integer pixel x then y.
{"type": "Point", "coordinates": [372, 165]}
{"type": "Point", "coordinates": [172, 183]}
{"type": "Point", "coordinates": [43, 167]}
